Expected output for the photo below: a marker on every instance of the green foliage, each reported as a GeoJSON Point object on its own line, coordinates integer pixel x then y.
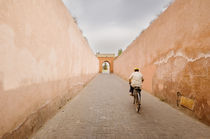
{"type": "Point", "coordinates": [105, 67]}
{"type": "Point", "coordinates": [120, 52]}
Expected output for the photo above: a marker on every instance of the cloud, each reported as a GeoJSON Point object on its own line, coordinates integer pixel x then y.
{"type": "Point", "coordinates": [113, 24]}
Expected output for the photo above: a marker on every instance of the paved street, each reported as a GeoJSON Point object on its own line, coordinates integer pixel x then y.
{"type": "Point", "coordinates": [103, 109]}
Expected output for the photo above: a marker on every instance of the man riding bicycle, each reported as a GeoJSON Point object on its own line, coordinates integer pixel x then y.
{"type": "Point", "coordinates": [135, 80]}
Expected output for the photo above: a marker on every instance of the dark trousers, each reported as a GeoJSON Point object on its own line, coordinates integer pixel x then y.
{"type": "Point", "coordinates": [132, 88]}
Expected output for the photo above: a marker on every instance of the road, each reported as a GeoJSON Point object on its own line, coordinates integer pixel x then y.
{"type": "Point", "coordinates": [104, 110]}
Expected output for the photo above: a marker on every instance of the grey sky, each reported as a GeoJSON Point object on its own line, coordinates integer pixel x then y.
{"type": "Point", "coordinates": [113, 24]}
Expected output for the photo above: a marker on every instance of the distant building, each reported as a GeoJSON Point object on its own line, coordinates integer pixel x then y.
{"type": "Point", "coordinates": [109, 58]}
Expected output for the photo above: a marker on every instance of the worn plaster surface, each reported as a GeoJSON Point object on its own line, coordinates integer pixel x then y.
{"type": "Point", "coordinates": [40, 44]}
{"type": "Point", "coordinates": [173, 54]}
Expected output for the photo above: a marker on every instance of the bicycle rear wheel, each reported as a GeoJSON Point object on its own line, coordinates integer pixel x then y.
{"type": "Point", "coordinates": [138, 104]}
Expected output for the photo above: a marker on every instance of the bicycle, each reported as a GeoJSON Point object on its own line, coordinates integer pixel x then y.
{"type": "Point", "coordinates": [137, 98]}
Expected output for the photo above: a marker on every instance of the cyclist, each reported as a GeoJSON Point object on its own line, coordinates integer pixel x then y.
{"type": "Point", "coordinates": [135, 80]}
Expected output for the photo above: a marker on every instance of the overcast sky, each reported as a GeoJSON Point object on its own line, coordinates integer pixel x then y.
{"type": "Point", "coordinates": [110, 25]}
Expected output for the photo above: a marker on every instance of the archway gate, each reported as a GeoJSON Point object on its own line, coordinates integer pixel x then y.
{"type": "Point", "coordinates": [106, 58]}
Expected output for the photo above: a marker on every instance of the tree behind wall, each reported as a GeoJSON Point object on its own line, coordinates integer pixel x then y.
{"type": "Point", "coordinates": [105, 67]}
{"type": "Point", "coordinates": [120, 52]}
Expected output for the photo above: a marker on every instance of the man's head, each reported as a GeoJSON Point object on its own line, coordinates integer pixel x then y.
{"type": "Point", "coordinates": [136, 69]}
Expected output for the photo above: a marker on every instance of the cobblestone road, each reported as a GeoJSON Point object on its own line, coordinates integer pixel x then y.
{"type": "Point", "coordinates": [103, 109]}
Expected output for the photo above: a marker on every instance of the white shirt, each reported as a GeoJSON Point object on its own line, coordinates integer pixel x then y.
{"type": "Point", "coordinates": [136, 79]}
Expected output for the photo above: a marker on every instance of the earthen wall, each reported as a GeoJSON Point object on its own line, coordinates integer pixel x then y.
{"type": "Point", "coordinates": [44, 61]}
{"type": "Point", "coordinates": [173, 54]}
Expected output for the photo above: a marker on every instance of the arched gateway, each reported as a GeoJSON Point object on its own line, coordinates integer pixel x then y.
{"type": "Point", "coordinates": [103, 58]}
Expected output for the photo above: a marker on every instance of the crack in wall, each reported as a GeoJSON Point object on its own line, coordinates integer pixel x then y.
{"type": "Point", "coordinates": [179, 54]}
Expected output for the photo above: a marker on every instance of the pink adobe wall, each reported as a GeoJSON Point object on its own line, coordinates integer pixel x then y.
{"type": "Point", "coordinates": [43, 58]}
{"type": "Point", "coordinates": [174, 55]}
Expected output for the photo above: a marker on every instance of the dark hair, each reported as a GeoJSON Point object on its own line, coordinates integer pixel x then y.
{"type": "Point", "coordinates": [136, 70]}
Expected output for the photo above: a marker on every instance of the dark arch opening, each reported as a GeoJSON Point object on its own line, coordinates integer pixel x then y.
{"type": "Point", "coordinates": [106, 67]}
